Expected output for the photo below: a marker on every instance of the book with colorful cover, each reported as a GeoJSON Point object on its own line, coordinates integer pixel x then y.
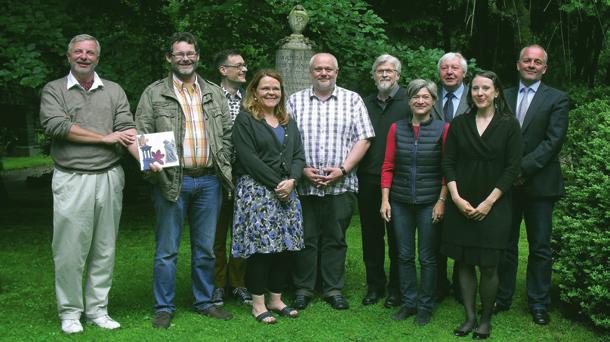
{"type": "Point", "coordinates": [157, 147]}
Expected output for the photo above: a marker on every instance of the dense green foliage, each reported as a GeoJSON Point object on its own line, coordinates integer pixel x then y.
{"type": "Point", "coordinates": [581, 239]}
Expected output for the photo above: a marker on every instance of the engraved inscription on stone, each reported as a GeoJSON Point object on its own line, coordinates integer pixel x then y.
{"type": "Point", "coordinates": [293, 65]}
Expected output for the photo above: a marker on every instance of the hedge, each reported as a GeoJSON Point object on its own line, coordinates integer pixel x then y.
{"type": "Point", "coordinates": [581, 240]}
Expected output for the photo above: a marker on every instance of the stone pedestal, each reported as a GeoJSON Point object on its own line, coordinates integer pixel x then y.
{"type": "Point", "coordinates": [292, 58]}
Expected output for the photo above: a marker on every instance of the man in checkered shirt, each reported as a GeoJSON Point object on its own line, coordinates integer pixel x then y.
{"type": "Point", "coordinates": [335, 128]}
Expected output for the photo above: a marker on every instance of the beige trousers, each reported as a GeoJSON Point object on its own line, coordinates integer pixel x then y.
{"type": "Point", "coordinates": [86, 215]}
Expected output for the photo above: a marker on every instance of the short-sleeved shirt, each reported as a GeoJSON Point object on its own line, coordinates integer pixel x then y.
{"type": "Point", "coordinates": [329, 130]}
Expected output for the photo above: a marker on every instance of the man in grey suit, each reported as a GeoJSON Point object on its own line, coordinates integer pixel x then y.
{"type": "Point", "coordinates": [452, 68]}
{"type": "Point", "coordinates": [452, 101]}
{"type": "Point", "coordinates": [543, 114]}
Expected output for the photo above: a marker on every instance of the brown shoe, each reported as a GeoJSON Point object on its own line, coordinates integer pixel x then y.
{"type": "Point", "coordinates": [162, 319]}
{"type": "Point", "coordinates": [215, 312]}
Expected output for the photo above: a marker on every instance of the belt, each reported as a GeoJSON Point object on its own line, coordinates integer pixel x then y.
{"type": "Point", "coordinates": [199, 172]}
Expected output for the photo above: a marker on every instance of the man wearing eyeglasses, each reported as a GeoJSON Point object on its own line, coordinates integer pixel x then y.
{"type": "Point", "coordinates": [229, 273]}
{"type": "Point", "coordinates": [452, 101]}
{"type": "Point", "coordinates": [335, 129]}
{"type": "Point", "coordinates": [386, 106]}
{"type": "Point", "coordinates": [197, 112]}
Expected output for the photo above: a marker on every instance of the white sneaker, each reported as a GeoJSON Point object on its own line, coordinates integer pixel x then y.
{"type": "Point", "coordinates": [71, 326]}
{"type": "Point", "coordinates": [104, 322]}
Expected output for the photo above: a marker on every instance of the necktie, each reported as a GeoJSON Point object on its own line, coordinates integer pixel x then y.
{"type": "Point", "coordinates": [524, 105]}
{"type": "Point", "coordinates": [448, 108]}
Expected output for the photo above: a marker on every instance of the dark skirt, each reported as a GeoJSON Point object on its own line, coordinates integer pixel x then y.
{"type": "Point", "coordinates": [262, 223]}
{"type": "Point", "coordinates": [479, 256]}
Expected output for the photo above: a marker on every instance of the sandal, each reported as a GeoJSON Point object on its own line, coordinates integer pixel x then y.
{"type": "Point", "coordinates": [261, 318]}
{"type": "Point", "coordinates": [285, 312]}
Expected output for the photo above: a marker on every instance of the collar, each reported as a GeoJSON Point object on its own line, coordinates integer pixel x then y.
{"type": "Point", "coordinates": [72, 81]}
{"type": "Point", "coordinates": [534, 86]}
{"type": "Point", "coordinates": [179, 84]}
{"type": "Point", "coordinates": [391, 95]}
{"type": "Point", "coordinates": [457, 93]}
{"type": "Point", "coordinates": [228, 95]}
{"type": "Point", "coordinates": [312, 94]}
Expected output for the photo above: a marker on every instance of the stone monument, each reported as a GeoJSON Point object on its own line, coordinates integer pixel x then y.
{"type": "Point", "coordinates": [292, 58]}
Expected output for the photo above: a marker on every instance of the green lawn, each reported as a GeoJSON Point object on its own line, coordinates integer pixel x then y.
{"type": "Point", "coordinates": [29, 311]}
{"type": "Point", "coordinates": [12, 163]}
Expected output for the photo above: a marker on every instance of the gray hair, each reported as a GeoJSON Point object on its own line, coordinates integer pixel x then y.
{"type": "Point", "coordinates": [418, 84]}
{"type": "Point", "coordinates": [385, 58]}
{"type": "Point", "coordinates": [320, 54]}
{"type": "Point", "coordinates": [452, 55]}
{"type": "Point", "coordinates": [546, 57]}
{"type": "Point", "coordinates": [81, 38]}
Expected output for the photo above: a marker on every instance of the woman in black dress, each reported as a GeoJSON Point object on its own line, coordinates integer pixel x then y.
{"type": "Point", "coordinates": [481, 160]}
{"type": "Point", "coordinates": [267, 220]}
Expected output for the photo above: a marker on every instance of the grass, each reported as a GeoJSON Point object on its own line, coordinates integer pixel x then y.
{"type": "Point", "coordinates": [13, 163]}
{"type": "Point", "coordinates": [29, 310]}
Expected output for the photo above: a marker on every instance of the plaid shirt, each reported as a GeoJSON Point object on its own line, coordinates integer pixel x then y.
{"type": "Point", "coordinates": [234, 102]}
{"type": "Point", "coordinates": [329, 130]}
{"type": "Point", "coordinates": [195, 145]}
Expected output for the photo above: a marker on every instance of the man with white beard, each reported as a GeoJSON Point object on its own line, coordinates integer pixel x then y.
{"type": "Point", "coordinates": [385, 107]}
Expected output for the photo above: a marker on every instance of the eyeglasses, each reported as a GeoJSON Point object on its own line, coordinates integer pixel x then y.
{"type": "Point", "coordinates": [385, 71]}
{"type": "Point", "coordinates": [423, 97]}
{"type": "Point", "coordinates": [185, 55]}
{"type": "Point", "coordinates": [237, 66]}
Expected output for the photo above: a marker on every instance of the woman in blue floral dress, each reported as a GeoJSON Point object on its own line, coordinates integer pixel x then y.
{"type": "Point", "coordinates": [267, 221]}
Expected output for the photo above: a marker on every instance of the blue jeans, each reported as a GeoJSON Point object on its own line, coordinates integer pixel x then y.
{"type": "Point", "coordinates": [538, 216]}
{"type": "Point", "coordinates": [200, 200]}
{"type": "Point", "coordinates": [406, 218]}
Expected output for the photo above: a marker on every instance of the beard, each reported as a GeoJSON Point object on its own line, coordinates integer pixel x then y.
{"type": "Point", "coordinates": [385, 86]}
{"type": "Point", "coordinates": [182, 72]}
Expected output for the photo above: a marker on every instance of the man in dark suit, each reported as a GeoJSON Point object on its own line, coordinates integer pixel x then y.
{"type": "Point", "coordinates": [385, 107]}
{"type": "Point", "coordinates": [452, 101]}
{"type": "Point", "coordinates": [543, 114]}
{"type": "Point", "coordinates": [452, 68]}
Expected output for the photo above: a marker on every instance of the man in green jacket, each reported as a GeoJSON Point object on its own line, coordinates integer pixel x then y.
{"type": "Point", "coordinates": [198, 114]}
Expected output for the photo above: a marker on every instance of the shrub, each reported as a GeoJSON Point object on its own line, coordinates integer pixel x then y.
{"type": "Point", "coordinates": [581, 239]}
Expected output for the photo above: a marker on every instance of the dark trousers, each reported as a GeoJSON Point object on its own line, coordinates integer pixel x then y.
{"type": "Point", "coordinates": [442, 282]}
{"type": "Point", "coordinates": [537, 214]}
{"type": "Point", "coordinates": [233, 271]}
{"type": "Point", "coordinates": [268, 272]}
{"type": "Point", "coordinates": [373, 242]}
{"type": "Point", "coordinates": [325, 220]}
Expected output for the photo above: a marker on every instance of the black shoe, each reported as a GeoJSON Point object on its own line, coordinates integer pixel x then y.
{"type": "Point", "coordinates": [162, 319]}
{"type": "Point", "coordinates": [215, 312]}
{"type": "Point", "coordinates": [338, 302]}
{"type": "Point", "coordinates": [423, 317]}
{"type": "Point", "coordinates": [392, 300]}
{"type": "Point", "coordinates": [301, 301]}
{"type": "Point", "coordinates": [499, 308]}
{"type": "Point", "coordinates": [441, 295]}
{"type": "Point", "coordinates": [459, 332]}
{"type": "Point", "coordinates": [404, 313]}
{"type": "Point", "coordinates": [372, 297]}
{"type": "Point", "coordinates": [541, 316]}
{"type": "Point", "coordinates": [480, 336]}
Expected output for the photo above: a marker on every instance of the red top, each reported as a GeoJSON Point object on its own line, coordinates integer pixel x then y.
{"type": "Point", "coordinates": [387, 169]}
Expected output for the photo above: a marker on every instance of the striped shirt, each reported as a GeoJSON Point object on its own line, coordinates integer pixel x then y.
{"type": "Point", "coordinates": [195, 146]}
{"type": "Point", "coordinates": [329, 130]}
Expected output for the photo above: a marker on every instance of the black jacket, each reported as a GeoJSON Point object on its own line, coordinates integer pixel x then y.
{"type": "Point", "coordinates": [260, 154]}
{"type": "Point", "coordinates": [369, 168]}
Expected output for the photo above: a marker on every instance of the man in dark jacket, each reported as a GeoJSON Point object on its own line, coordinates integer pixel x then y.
{"type": "Point", "coordinates": [543, 114]}
{"type": "Point", "coordinates": [388, 105]}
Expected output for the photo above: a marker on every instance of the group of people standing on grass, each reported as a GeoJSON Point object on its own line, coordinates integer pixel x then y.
{"type": "Point", "coordinates": [456, 165]}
